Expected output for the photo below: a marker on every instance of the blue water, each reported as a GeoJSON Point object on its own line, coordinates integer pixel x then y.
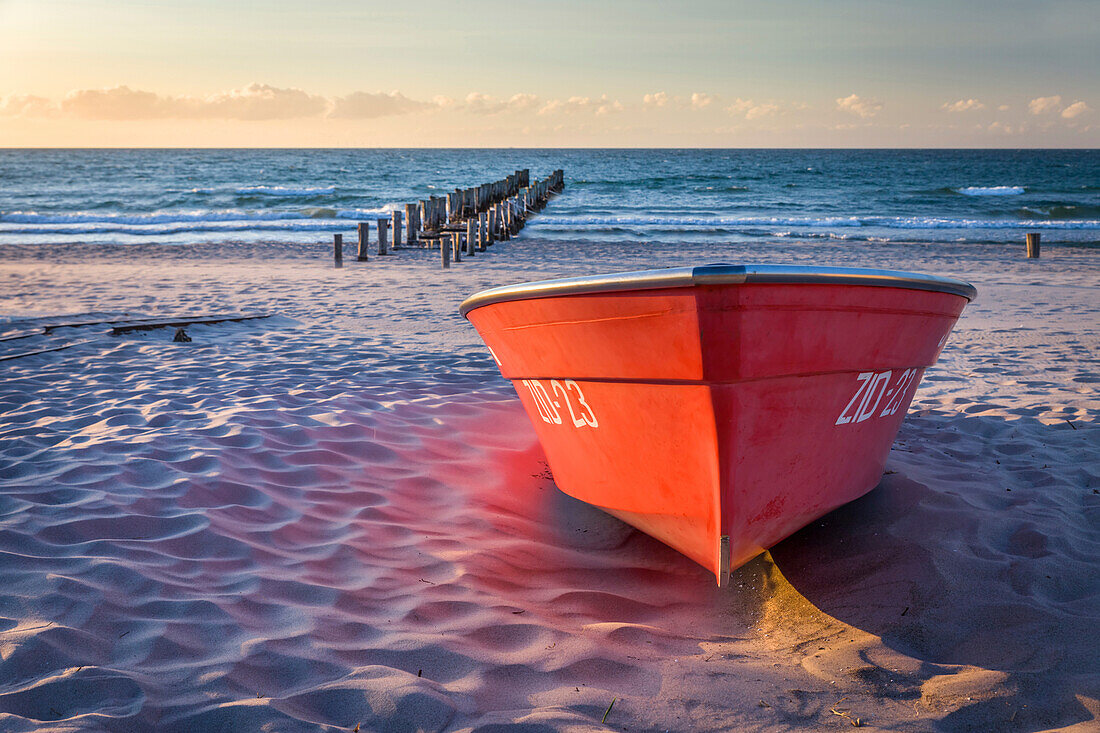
{"type": "Point", "coordinates": [190, 196]}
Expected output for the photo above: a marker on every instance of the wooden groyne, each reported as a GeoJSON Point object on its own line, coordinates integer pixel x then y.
{"type": "Point", "coordinates": [462, 223]}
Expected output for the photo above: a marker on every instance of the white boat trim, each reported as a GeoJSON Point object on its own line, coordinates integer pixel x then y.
{"type": "Point", "coordinates": [719, 274]}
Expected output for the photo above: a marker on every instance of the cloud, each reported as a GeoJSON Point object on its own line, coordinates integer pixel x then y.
{"type": "Point", "coordinates": [751, 109]}
{"type": "Point", "coordinates": [1003, 108]}
{"type": "Point", "coordinates": [699, 100]}
{"type": "Point", "coordinates": [119, 103]}
{"type": "Point", "coordinates": [262, 102]}
{"type": "Point", "coordinates": [488, 105]}
{"type": "Point", "coordinates": [27, 105]}
{"type": "Point", "coordinates": [1076, 109]}
{"type": "Point", "coordinates": [963, 105]}
{"type": "Point", "coordinates": [856, 105]}
{"type": "Point", "coordinates": [368, 106]}
{"type": "Point", "coordinates": [598, 106]}
{"type": "Point", "coordinates": [254, 102]}
{"type": "Point", "coordinates": [1042, 105]}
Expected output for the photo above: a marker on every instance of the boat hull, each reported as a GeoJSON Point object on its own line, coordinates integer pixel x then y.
{"type": "Point", "coordinates": [722, 417]}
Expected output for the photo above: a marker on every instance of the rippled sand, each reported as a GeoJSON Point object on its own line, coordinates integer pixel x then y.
{"type": "Point", "coordinates": [339, 515]}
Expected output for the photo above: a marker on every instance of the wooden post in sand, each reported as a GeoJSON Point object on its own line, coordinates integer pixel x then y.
{"type": "Point", "coordinates": [383, 236]}
{"type": "Point", "coordinates": [338, 249]}
{"type": "Point", "coordinates": [1033, 245]}
{"type": "Point", "coordinates": [445, 255]}
{"type": "Point", "coordinates": [482, 230]}
{"type": "Point", "coordinates": [364, 240]}
{"type": "Point", "coordinates": [396, 216]}
{"type": "Point", "coordinates": [456, 246]}
{"type": "Point", "coordinates": [503, 220]}
{"type": "Point", "coordinates": [471, 236]}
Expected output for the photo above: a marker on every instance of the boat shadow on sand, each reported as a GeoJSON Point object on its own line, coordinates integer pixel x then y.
{"type": "Point", "coordinates": [972, 595]}
{"type": "Point", "coordinates": [967, 598]}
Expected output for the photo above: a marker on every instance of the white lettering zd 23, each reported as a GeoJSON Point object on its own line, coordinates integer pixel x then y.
{"type": "Point", "coordinates": [872, 388]}
{"type": "Point", "coordinates": [549, 403]}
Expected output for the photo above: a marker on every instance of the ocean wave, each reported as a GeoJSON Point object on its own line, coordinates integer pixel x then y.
{"type": "Point", "coordinates": [155, 217]}
{"type": "Point", "coordinates": [990, 190]}
{"type": "Point", "coordinates": [326, 219]}
{"type": "Point", "coordinates": [184, 217]}
{"type": "Point", "coordinates": [1059, 211]}
{"type": "Point", "coordinates": [285, 191]}
{"type": "Point", "coordinates": [832, 222]}
{"type": "Point", "coordinates": [154, 230]}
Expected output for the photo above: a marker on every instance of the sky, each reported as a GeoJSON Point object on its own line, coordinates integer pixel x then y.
{"type": "Point", "coordinates": [566, 73]}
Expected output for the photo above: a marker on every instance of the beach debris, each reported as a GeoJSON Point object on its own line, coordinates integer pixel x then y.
{"type": "Point", "coordinates": [1071, 424]}
{"type": "Point", "coordinates": [845, 713]}
{"type": "Point", "coordinates": [181, 337]}
{"type": "Point", "coordinates": [20, 355]}
{"type": "Point", "coordinates": [129, 327]}
{"type": "Point", "coordinates": [17, 336]}
{"type": "Point", "coordinates": [608, 711]}
{"type": "Point", "coordinates": [129, 324]}
{"type": "Point", "coordinates": [763, 704]}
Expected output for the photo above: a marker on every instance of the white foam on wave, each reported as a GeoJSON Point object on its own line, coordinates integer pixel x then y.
{"type": "Point", "coordinates": [172, 222]}
{"type": "Point", "coordinates": [831, 222]}
{"type": "Point", "coordinates": [154, 217]}
{"type": "Point", "coordinates": [292, 225]}
{"type": "Point", "coordinates": [286, 191]}
{"type": "Point", "coordinates": [990, 190]}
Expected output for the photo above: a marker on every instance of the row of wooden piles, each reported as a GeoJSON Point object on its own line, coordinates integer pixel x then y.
{"type": "Point", "coordinates": [462, 223]}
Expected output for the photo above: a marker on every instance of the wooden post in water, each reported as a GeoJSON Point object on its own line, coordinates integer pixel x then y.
{"type": "Point", "coordinates": [338, 250]}
{"type": "Point", "coordinates": [364, 240]}
{"type": "Point", "coordinates": [452, 207]}
{"type": "Point", "coordinates": [383, 236]}
{"type": "Point", "coordinates": [483, 230]}
{"type": "Point", "coordinates": [471, 236]}
{"type": "Point", "coordinates": [410, 219]}
{"type": "Point", "coordinates": [396, 221]}
{"type": "Point", "coordinates": [1033, 245]}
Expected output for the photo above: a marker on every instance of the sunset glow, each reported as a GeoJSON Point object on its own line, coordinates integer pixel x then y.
{"type": "Point", "coordinates": [789, 74]}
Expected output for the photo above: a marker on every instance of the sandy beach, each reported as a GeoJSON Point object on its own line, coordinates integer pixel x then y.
{"type": "Point", "coordinates": [339, 516]}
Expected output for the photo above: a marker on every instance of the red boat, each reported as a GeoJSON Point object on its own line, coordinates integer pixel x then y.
{"type": "Point", "coordinates": [719, 408]}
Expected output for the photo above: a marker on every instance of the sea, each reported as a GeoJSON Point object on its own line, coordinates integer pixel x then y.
{"type": "Point", "coordinates": [656, 197]}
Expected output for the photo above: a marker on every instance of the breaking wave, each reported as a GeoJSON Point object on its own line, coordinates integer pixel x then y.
{"type": "Point", "coordinates": [990, 190]}
{"type": "Point", "coordinates": [831, 222]}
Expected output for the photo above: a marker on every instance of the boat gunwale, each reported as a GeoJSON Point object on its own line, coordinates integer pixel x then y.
{"type": "Point", "coordinates": [718, 274]}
